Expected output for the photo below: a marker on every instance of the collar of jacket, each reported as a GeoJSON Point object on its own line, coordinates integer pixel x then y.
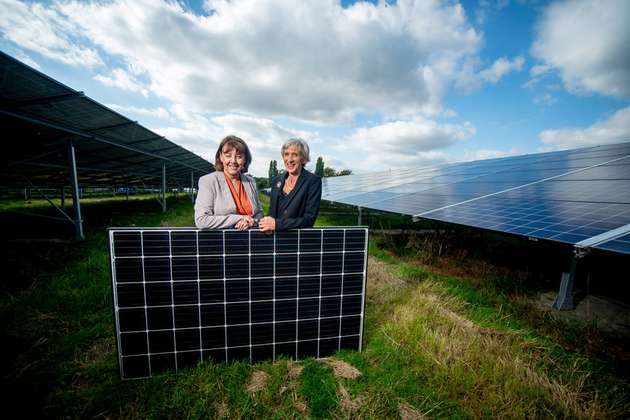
{"type": "Point", "coordinates": [294, 191]}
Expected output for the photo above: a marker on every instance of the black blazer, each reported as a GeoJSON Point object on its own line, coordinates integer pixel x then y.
{"type": "Point", "coordinates": [303, 201]}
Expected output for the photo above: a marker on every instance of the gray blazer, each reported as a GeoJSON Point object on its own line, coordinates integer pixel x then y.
{"type": "Point", "coordinates": [215, 208]}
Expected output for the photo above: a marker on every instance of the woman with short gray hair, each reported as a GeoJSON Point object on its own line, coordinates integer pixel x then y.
{"type": "Point", "coordinates": [295, 195]}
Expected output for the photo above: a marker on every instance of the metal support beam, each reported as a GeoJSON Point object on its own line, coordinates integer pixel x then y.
{"type": "Point", "coordinates": [163, 187]}
{"type": "Point", "coordinates": [111, 126]}
{"type": "Point", "coordinates": [81, 134]}
{"type": "Point", "coordinates": [564, 301]}
{"type": "Point", "coordinates": [192, 186]}
{"type": "Point", "coordinates": [63, 197]}
{"type": "Point", "coordinates": [74, 182]}
{"type": "Point", "coordinates": [42, 100]}
{"type": "Point", "coordinates": [585, 245]}
{"type": "Point", "coordinates": [359, 218]}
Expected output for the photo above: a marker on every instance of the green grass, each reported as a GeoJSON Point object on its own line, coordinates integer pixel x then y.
{"type": "Point", "coordinates": [319, 388]}
{"type": "Point", "coordinates": [435, 344]}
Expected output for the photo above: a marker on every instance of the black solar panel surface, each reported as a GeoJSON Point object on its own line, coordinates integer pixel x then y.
{"type": "Point", "coordinates": [38, 114]}
{"type": "Point", "coordinates": [183, 296]}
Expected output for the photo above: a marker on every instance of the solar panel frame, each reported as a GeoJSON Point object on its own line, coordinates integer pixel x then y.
{"type": "Point", "coordinates": [156, 270]}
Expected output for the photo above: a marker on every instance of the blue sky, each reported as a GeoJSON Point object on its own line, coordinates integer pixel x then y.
{"type": "Point", "coordinates": [370, 85]}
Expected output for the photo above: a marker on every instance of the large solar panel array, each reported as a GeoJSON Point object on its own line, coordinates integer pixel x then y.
{"type": "Point", "coordinates": [182, 296]}
{"type": "Point", "coordinates": [566, 196]}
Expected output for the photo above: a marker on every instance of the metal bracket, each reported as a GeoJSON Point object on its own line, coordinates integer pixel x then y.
{"type": "Point", "coordinates": [564, 300]}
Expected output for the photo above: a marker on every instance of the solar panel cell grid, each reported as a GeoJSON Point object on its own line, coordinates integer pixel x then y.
{"type": "Point", "coordinates": [567, 196]}
{"type": "Point", "coordinates": [568, 222]}
{"type": "Point", "coordinates": [182, 296]}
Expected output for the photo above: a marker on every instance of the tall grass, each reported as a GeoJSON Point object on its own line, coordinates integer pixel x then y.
{"type": "Point", "coordinates": [435, 345]}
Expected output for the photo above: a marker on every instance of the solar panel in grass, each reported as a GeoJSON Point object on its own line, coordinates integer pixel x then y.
{"type": "Point", "coordinates": [182, 296]}
{"type": "Point", "coordinates": [566, 196]}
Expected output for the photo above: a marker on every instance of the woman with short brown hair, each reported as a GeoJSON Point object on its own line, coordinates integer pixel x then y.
{"type": "Point", "coordinates": [227, 198]}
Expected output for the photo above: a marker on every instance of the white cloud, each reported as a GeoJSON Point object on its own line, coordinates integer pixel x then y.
{"type": "Point", "coordinates": [47, 31]}
{"type": "Point", "coordinates": [411, 143]}
{"type": "Point", "coordinates": [500, 68]}
{"type": "Point", "coordinates": [539, 69]}
{"type": "Point", "coordinates": [586, 41]}
{"type": "Point", "coordinates": [263, 136]}
{"type": "Point", "coordinates": [615, 128]}
{"type": "Point", "coordinates": [26, 59]}
{"type": "Point", "coordinates": [469, 79]}
{"type": "Point", "coordinates": [312, 60]}
{"type": "Point", "coordinates": [485, 8]}
{"type": "Point", "coordinates": [545, 99]}
{"type": "Point", "coordinates": [122, 80]}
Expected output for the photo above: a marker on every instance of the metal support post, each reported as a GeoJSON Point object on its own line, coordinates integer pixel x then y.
{"type": "Point", "coordinates": [63, 198]}
{"type": "Point", "coordinates": [163, 187]}
{"type": "Point", "coordinates": [78, 223]}
{"type": "Point", "coordinates": [127, 192]}
{"type": "Point", "coordinates": [564, 301]}
{"type": "Point", "coordinates": [192, 186]}
{"type": "Point", "coordinates": [359, 218]}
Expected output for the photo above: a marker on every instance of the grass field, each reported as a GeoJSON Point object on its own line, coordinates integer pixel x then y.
{"type": "Point", "coordinates": [443, 338]}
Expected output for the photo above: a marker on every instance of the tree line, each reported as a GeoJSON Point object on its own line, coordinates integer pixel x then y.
{"type": "Point", "coordinates": [320, 170]}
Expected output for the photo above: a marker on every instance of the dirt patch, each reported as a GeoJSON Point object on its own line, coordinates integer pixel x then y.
{"type": "Point", "coordinates": [407, 412]}
{"type": "Point", "coordinates": [257, 381]}
{"type": "Point", "coordinates": [348, 404]}
{"type": "Point", "coordinates": [381, 276]}
{"type": "Point", "coordinates": [301, 407]}
{"type": "Point", "coordinates": [294, 370]}
{"type": "Point", "coordinates": [343, 369]}
{"type": "Point", "coordinates": [609, 315]}
{"type": "Point", "coordinates": [222, 410]}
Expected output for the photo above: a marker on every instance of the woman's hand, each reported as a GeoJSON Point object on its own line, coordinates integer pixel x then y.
{"type": "Point", "coordinates": [267, 224]}
{"type": "Point", "coordinates": [245, 223]}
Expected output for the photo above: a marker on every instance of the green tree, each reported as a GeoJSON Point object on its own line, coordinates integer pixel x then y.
{"type": "Point", "coordinates": [328, 172]}
{"type": "Point", "coordinates": [273, 170]}
{"type": "Point", "coordinates": [319, 167]}
{"type": "Point", "coordinates": [262, 183]}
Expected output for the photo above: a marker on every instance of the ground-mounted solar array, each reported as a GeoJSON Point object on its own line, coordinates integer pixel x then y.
{"type": "Point", "coordinates": [566, 196]}
{"type": "Point", "coordinates": [183, 295]}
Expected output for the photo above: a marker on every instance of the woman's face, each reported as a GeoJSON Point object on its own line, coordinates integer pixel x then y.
{"type": "Point", "coordinates": [292, 160]}
{"type": "Point", "coordinates": [232, 161]}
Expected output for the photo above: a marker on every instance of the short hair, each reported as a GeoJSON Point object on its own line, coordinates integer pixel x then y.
{"type": "Point", "coordinates": [235, 143]}
{"type": "Point", "coordinates": [301, 146]}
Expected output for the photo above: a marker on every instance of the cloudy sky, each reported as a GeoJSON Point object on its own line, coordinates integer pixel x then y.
{"type": "Point", "coordinates": [370, 85]}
